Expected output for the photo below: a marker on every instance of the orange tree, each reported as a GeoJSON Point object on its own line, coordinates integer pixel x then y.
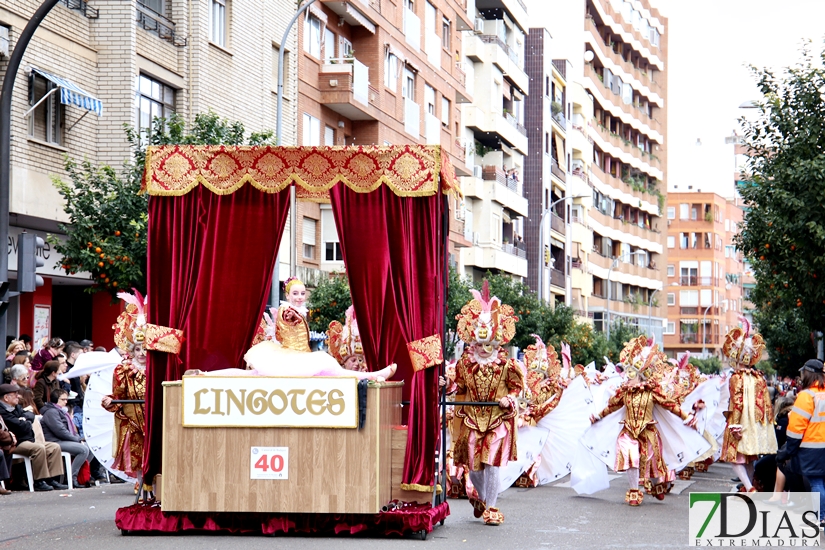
{"type": "Point", "coordinates": [783, 231]}
{"type": "Point", "coordinates": [106, 233]}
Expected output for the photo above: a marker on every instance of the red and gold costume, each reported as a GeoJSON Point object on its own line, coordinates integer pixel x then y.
{"type": "Point", "coordinates": [749, 428]}
{"type": "Point", "coordinates": [544, 386]}
{"type": "Point", "coordinates": [484, 437]}
{"type": "Point", "coordinates": [345, 343]}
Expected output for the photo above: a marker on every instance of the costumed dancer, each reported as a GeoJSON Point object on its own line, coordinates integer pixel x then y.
{"type": "Point", "coordinates": [638, 446]}
{"type": "Point", "coordinates": [557, 413]}
{"type": "Point", "coordinates": [485, 437]}
{"type": "Point", "coordinates": [284, 349]}
{"type": "Point", "coordinates": [749, 428]}
{"type": "Point", "coordinates": [133, 337]}
{"type": "Point", "coordinates": [345, 343]}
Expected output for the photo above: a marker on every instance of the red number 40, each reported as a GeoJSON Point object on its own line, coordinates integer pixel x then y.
{"type": "Point", "coordinates": [276, 463]}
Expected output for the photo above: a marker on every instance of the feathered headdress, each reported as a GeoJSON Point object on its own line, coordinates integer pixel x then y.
{"type": "Point", "coordinates": [641, 357]}
{"type": "Point", "coordinates": [345, 339]}
{"type": "Point", "coordinates": [131, 327]}
{"type": "Point", "coordinates": [484, 319]}
{"type": "Point", "coordinates": [741, 347]}
{"type": "Point", "coordinates": [542, 358]}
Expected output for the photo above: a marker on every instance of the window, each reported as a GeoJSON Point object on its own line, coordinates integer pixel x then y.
{"type": "Point", "coordinates": [218, 23]}
{"type": "Point", "coordinates": [547, 85]}
{"type": "Point", "coordinates": [671, 270]}
{"type": "Point", "coordinates": [329, 136]}
{"type": "Point", "coordinates": [671, 298]}
{"type": "Point", "coordinates": [154, 100]}
{"type": "Point", "coordinates": [329, 45]}
{"type": "Point", "coordinates": [275, 53]}
{"type": "Point", "coordinates": [446, 34]}
{"type": "Point", "coordinates": [329, 235]}
{"type": "Point", "coordinates": [344, 48]}
{"type": "Point", "coordinates": [429, 99]}
{"type": "Point", "coordinates": [671, 241]}
{"type": "Point", "coordinates": [154, 5]}
{"type": "Point", "coordinates": [408, 88]}
{"type": "Point", "coordinates": [689, 298]}
{"type": "Point", "coordinates": [312, 36]}
{"type": "Point", "coordinates": [47, 120]}
{"type": "Point", "coordinates": [546, 143]}
{"type": "Point", "coordinates": [683, 240]}
{"type": "Point", "coordinates": [391, 71]}
{"type": "Point", "coordinates": [671, 212]}
{"type": "Point", "coordinates": [311, 130]}
{"type": "Point", "coordinates": [308, 238]}
{"type": "Point", "coordinates": [671, 328]}
{"type": "Point", "coordinates": [445, 111]}
{"type": "Point", "coordinates": [684, 211]}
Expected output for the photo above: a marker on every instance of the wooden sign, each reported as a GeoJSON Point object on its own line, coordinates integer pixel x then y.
{"type": "Point", "coordinates": [270, 402]}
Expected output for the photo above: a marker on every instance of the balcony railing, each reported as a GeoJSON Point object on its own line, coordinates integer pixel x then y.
{"type": "Point", "coordinates": [557, 171]}
{"type": "Point", "coordinates": [152, 21]}
{"type": "Point", "coordinates": [495, 39]}
{"type": "Point", "coordinates": [459, 149]}
{"type": "Point", "coordinates": [561, 66]}
{"type": "Point", "coordinates": [500, 176]}
{"type": "Point", "coordinates": [693, 280]}
{"type": "Point", "coordinates": [557, 278]}
{"type": "Point", "coordinates": [556, 223]}
{"type": "Point", "coordinates": [560, 119]}
{"type": "Point", "coordinates": [512, 249]}
{"type": "Point", "coordinates": [515, 124]}
{"type": "Point", "coordinates": [461, 73]}
{"type": "Point", "coordinates": [81, 6]}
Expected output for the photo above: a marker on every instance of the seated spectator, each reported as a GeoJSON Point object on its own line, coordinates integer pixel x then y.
{"type": "Point", "coordinates": [77, 385]}
{"type": "Point", "coordinates": [59, 428]}
{"type": "Point", "coordinates": [46, 382]}
{"type": "Point", "coordinates": [88, 346]}
{"type": "Point", "coordinates": [49, 352]}
{"type": "Point", "coordinates": [47, 463]}
{"type": "Point", "coordinates": [20, 378]}
{"type": "Point", "coordinates": [7, 443]}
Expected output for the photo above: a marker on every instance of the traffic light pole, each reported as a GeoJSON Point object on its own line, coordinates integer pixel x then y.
{"type": "Point", "coordinates": [5, 150]}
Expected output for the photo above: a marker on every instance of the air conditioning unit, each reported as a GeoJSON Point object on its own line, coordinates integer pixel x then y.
{"type": "Point", "coordinates": [4, 41]}
{"type": "Point", "coordinates": [477, 171]}
{"type": "Point", "coordinates": [478, 28]}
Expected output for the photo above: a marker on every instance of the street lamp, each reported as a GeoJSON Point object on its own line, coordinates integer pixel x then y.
{"type": "Point", "coordinates": [279, 108]}
{"type": "Point", "coordinates": [540, 284]}
{"type": "Point", "coordinates": [615, 263]}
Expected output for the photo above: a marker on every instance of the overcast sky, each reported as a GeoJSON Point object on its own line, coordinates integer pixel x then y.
{"type": "Point", "coordinates": [709, 45]}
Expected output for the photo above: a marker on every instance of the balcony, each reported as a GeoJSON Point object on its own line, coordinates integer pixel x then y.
{"type": "Point", "coordinates": [492, 256]}
{"type": "Point", "coordinates": [606, 51]}
{"type": "Point", "coordinates": [560, 119]}
{"type": "Point", "coordinates": [507, 59]}
{"type": "Point", "coordinates": [514, 250]}
{"type": "Point", "coordinates": [557, 223]}
{"type": "Point", "coordinates": [345, 88]}
{"type": "Point", "coordinates": [496, 186]}
{"type": "Point", "coordinates": [557, 278]}
{"type": "Point", "coordinates": [692, 280]}
{"type": "Point", "coordinates": [81, 6]}
{"type": "Point", "coordinates": [412, 118]}
{"type": "Point", "coordinates": [494, 123]}
{"type": "Point", "coordinates": [152, 21]}
{"type": "Point", "coordinates": [516, 9]}
{"type": "Point", "coordinates": [556, 170]}
{"type": "Point", "coordinates": [412, 29]}
{"type": "Point", "coordinates": [515, 123]}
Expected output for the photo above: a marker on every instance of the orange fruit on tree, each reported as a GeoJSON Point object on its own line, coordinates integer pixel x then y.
{"type": "Point", "coordinates": [114, 283]}
{"type": "Point", "coordinates": [103, 255]}
{"type": "Point", "coordinates": [99, 264]}
{"type": "Point", "coordinates": [98, 250]}
{"type": "Point", "coordinates": [117, 233]}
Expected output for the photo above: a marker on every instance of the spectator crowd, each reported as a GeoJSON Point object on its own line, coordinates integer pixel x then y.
{"type": "Point", "coordinates": [42, 417]}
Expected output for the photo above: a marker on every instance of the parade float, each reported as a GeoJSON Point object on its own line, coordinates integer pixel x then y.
{"type": "Point", "coordinates": [292, 454]}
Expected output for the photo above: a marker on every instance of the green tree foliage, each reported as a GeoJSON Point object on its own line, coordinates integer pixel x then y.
{"type": "Point", "coordinates": [711, 365]}
{"type": "Point", "coordinates": [787, 338]}
{"type": "Point", "coordinates": [328, 302]}
{"type": "Point", "coordinates": [783, 233]}
{"type": "Point", "coordinates": [107, 215]}
{"type": "Point", "coordinates": [620, 334]}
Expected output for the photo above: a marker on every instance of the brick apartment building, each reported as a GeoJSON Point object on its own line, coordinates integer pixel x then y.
{"type": "Point", "coordinates": [134, 59]}
{"type": "Point", "coordinates": [705, 272]}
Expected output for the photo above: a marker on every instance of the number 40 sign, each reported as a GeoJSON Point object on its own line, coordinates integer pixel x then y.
{"type": "Point", "coordinates": [269, 463]}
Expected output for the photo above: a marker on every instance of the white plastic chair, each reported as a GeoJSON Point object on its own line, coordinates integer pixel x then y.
{"type": "Point", "coordinates": [28, 463]}
{"type": "Point", "coordinates": [67, 461]}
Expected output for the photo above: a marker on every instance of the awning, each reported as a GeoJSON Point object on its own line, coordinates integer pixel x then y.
{"type": "Point", "coordinates": [72, 94]}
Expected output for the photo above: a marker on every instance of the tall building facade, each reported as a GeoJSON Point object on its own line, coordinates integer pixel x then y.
{"type": "Point", "coordinates": [546, 170]}
{"type": "Point", "coordinates": [705, 273]}
{"type": "Point", "coordinates": [495, 139]}
{"type": "Point", "coordinates": [625, 56]}
{"type": "Point", "coordinates": [379, 73]}
{"type": "Point", "coordinates": [89, 70]}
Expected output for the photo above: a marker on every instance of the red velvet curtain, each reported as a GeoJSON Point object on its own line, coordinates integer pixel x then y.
{"type": "Point", "coordinates": [394, 255]}
{"type": "Point", "coordinates": [210, 263]}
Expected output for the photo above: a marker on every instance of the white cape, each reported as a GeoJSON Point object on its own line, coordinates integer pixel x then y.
{"type": "Point", "coordinates": [552, 437]}
{"type": "Point", "coordinates": [680, 445]}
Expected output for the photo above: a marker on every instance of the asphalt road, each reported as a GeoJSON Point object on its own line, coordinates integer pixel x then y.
{"type": "Point", "coordinates": [544, 517]}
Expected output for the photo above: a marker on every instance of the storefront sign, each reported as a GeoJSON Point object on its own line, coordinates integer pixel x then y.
{"type": "Point", "coordinates": [269, 402]}
{"type": "Point", "coordinates": [51, 258]}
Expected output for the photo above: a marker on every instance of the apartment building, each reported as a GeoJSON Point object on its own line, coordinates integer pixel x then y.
{"type": "Point", "coordinates": [495, 138]}
{"type": "Point", "coordinates": [379, 73]}
{"type": "Point", "coordinates": [625, 45]}
{"type": "Point", "coordinates": [546, 169]}
{"type": "Point", "coordinates": [705, 272]}
{"type": "Point", "coordinates": [90, 69]}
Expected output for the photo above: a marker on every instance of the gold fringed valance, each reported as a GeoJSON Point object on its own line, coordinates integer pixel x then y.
{"type": "Point", "coordinates": [409, 170]}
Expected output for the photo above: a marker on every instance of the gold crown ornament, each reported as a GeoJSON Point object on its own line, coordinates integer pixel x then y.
{"type": "Point", "coordinates": [485, 320]}
{"type": "Point", "coordinates": [742, 348]}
